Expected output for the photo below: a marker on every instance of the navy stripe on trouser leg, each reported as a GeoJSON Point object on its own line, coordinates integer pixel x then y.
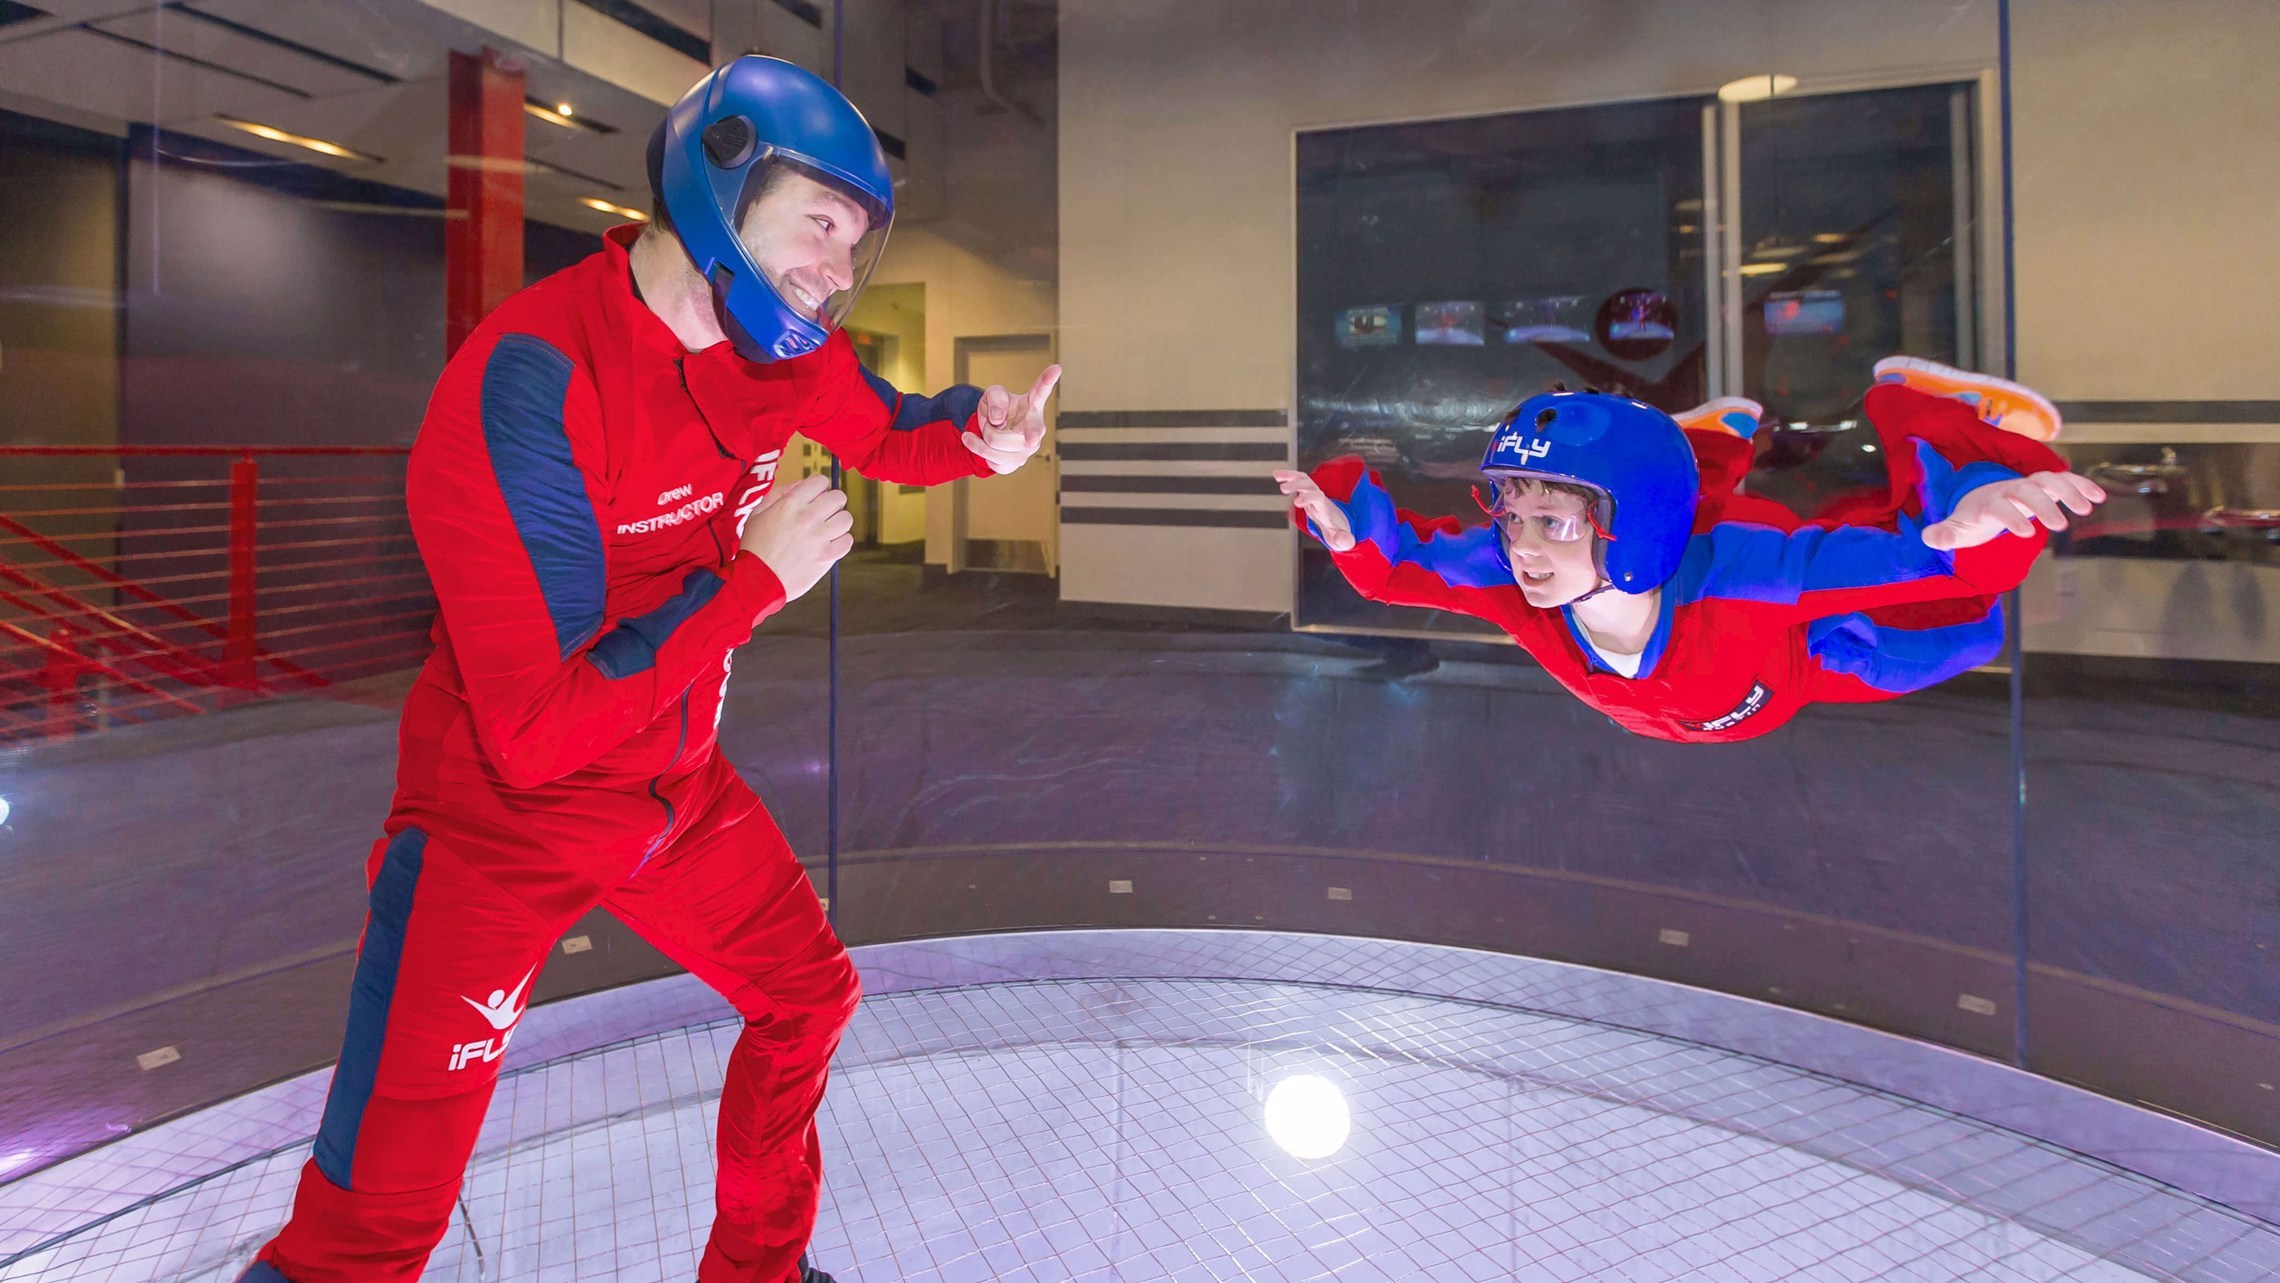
{"type": "Point", "coordinates": [370, 996]}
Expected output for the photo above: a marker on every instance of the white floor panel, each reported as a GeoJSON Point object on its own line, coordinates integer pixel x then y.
{"type": "Point", "coordinates": [1026, 1132]}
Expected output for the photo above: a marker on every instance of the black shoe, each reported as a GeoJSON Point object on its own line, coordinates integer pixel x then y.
{"type": "Point", "coordinates": [810, 1274]}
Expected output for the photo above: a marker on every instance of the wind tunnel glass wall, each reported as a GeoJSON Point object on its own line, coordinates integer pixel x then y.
{"type": "Point", "coordinates": [1117, 687]}
{"type": "Point", "coordinates": [240, 241]}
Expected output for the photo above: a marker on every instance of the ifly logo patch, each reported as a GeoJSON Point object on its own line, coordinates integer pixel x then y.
{"type": "Point", "coordinates": [1527, 449]}
{"type": "Point", "coordinates": [500, 1012]}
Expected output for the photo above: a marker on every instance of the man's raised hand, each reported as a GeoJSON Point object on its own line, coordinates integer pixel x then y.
{"type": "Point", "coordinates": [1010, 428]}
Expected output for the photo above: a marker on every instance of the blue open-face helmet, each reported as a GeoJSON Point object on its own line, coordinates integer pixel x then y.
{"type": "Point", "coordinates": [714, 155]}
{"type": "Point", "coordinates": [1634, 455]}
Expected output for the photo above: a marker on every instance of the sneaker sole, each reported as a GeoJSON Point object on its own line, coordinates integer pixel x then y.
{"type": "Point", "coordinates": [1946, 380]}
{"type": "Point", "coordinates": [1711, 417]}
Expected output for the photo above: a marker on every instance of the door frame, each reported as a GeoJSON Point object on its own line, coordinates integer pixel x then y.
{"type": "Point", "coordinates": [963, 348]}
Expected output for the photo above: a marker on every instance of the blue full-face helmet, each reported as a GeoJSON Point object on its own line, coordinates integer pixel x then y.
{"type": "Point", "coordinates": [713, 157]}
{"type": "Point", "coordinates": [1634, 455]}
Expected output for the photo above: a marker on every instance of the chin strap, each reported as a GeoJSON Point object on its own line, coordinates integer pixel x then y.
{"type": "Point", "coordinates": [1604, 585]}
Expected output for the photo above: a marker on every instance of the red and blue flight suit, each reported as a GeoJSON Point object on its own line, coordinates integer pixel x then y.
{"type": "Point", "coordinates": [1763, 613]}
{"type": "Point", "coordinates": [576, 492]}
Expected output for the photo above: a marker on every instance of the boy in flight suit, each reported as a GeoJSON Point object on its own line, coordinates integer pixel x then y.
{"type": "Point", "coordinates": [591, 492]}
{"type": "Point", "coordinates": [1621, 560]}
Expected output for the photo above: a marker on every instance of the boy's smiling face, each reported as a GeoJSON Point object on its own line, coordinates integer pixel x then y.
{"type": "Point", "coordinates": [1550, 542]}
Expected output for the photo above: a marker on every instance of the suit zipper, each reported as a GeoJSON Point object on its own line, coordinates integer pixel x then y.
{"type": "Point", "coordinates": [678, 746]}
{"type": "Point", "coordinates": [710, 528]}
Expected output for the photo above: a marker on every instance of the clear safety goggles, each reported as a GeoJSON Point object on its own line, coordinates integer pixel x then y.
{"type": "Point", "coordinates": [1555, 527]}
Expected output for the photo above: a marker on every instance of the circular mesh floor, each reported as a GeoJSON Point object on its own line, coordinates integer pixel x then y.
{"type": "Point", "coordinates": [1103, 1130]}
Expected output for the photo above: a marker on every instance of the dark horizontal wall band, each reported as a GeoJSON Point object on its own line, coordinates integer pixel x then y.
{"type": "Point", "coordinates": [663, 30]}
{"type": "Point", "coordinates": [280, 42]}
{"type": "Point", "coordinates": [1173, 419]}
{"type": "Point", "coordinates": [1226, 519]}
{"type": "Point", "coordinates": [189, 61]}
{"type": "Point", "coordinates": [1177, 451]}
{"type": "Point", "coordinates": [2158, 411]}
{"type": "Point", "coordinates": [1168, 485]}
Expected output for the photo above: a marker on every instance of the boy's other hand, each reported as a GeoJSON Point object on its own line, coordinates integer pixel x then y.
{"type": "Point", "coordinates": [1328, 518]}
{"type": "Point", "coordinates": [2013, 507]}
{"type": "Point", "coordinates": [800, 531]}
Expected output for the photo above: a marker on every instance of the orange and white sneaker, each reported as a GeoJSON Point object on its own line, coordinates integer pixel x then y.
{"type": "Point", "coordinates": [2013, 407]}
{"type": "Point", "coordinates": [1734, 415]}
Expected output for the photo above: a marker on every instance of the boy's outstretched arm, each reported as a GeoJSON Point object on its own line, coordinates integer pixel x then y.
{"type": "Point", "coordinates": [1979, 529]}
{"type": "Point", "coordinates": [1390, 555]}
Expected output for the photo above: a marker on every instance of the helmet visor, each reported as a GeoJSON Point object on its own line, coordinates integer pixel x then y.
{"type": "Point", "coordinates": [814, 238]}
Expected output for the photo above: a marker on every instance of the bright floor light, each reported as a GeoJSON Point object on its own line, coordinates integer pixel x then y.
{"type": "Point", "coordinates": [1307, 1116]}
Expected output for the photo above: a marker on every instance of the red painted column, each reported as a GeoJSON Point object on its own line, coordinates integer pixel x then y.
{"type": "Point", "coordinates": [483, 231]}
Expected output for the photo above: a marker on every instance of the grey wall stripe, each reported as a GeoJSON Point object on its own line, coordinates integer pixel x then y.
{"type": "Point", "coordinates": [1178, 451]}
{"type": "Point", "coordinates": [1172, 419]}
{"type": "Point", "coordinates": [1175, 517]}
{"type": "Point", "coordinates": [2161, 411]}
{"type": "Point", "coordinates": [1168, 485]}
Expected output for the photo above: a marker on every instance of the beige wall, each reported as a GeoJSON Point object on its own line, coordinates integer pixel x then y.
{"type": "Point", "coordinates": [966, 296]}
{"type": "Point", "coordinates": [1177, 117]}
{"type": "Point", "coordinates": [1176, 202]}
{"type": "Point", "coordinates": [2147, 189]}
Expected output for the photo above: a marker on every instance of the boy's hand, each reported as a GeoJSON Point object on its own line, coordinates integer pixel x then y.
{"type": "Point", "coordinates": [1321, 509]}
{"type": "Point", "coordinates": [2013, 507]}
{"type": "Point", "coordinates": [1008, 429]}
{"type": "Point", "coordinates": [800, 531]}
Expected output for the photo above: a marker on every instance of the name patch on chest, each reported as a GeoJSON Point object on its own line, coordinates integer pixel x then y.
{"type": "Point", "coordinates": [701, 506]}
{"type": "Point", "coordinates": [1751, 705]}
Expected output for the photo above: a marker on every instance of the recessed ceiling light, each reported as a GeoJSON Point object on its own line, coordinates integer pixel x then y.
{"type": "Point", "coordinates": [597, 203]}
{"type": "Point", "coordinates": [276, 135]}
{"type": "Point", "coordinates": [1762, 269]}
{"type": "Point", "coordinates": [1831, 238]}
{"type": "Point", "coordinates": [1756, 88]}
{"type": "Point", "coordinates": [551, 115]}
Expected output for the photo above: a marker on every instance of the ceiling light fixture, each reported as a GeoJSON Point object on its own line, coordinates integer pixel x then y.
{"type": "Point", "coordinates": [597, 203]}
{"type": "Point", "coordinates": [551, 115]}
{"type": "Point", "coordinates": [1756, 88]}
{"type": "Point", "coordinates": [276, 135]}
{"type": "Point", "coordinates": [1762, 269]}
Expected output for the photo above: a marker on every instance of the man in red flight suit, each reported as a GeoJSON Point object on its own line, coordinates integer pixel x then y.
{"type": "Point", "coordinates": [591, 493]}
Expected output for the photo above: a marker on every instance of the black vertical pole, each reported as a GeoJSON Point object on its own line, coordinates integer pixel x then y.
{"type": "Point", "coordinates": [2019, 920]}
{"type": "Point", "coordinates": [831, 678]}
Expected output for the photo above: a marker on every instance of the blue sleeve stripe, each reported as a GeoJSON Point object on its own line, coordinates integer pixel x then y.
{"type": "Point", "coordinates": [1739, 561]}
{"type": "Point", "coordinates": [1473, 558]}
{"type": "Point", "coordinates": [525, 383]}
{"type": "Point", "coordinates": [1944, 485]}
{"type": "Point", "coordinates": [912, 412]}
{"type": "Point", "coordinates": [369, 997]}
{"type": "Point", "coordinates": [632, 646]}
{"type": "Point", "coordinates": [1900, 660]}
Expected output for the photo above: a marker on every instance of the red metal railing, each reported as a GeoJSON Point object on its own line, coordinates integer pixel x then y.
{"type": "Point", "coordinates": [196, 577]}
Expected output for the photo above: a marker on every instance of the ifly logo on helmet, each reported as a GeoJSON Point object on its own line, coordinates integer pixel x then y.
{"type": "Point", "coordinates": [500, 1012]}
{"type": "Point", "coordinates": [1518, 443]}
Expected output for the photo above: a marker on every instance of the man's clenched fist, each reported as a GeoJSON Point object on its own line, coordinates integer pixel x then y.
{"type": "Point", "coordinates": [800, 531]}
